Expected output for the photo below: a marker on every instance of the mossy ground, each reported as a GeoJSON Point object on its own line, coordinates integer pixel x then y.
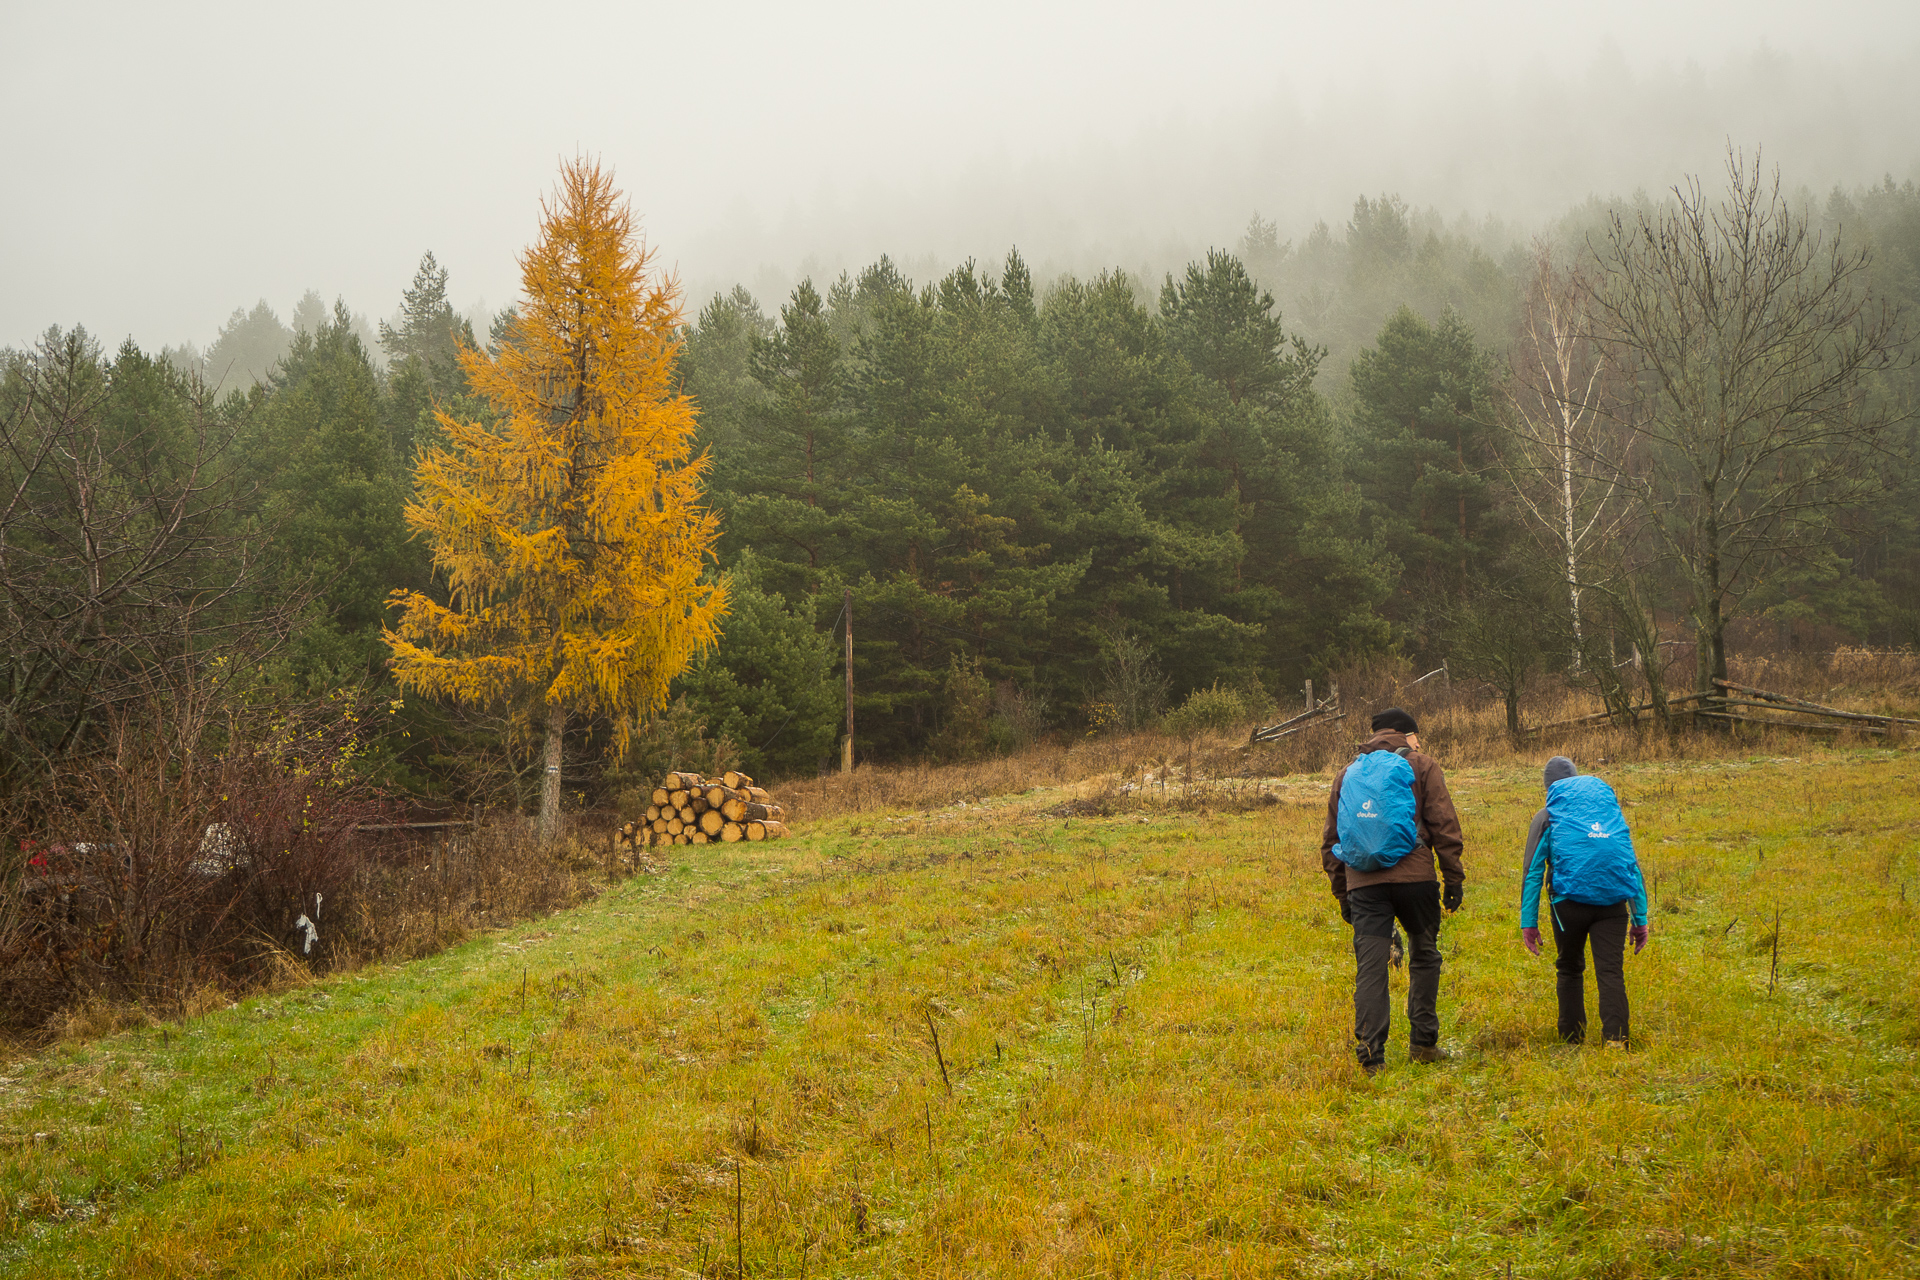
{"type": "Point", "coordinates": [1144, 1024]}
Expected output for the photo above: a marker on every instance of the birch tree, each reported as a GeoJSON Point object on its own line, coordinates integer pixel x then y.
{"type": "Point", "coordinates": [570, 531]}
{"type": "Point", "coordinates": [1561, 452]}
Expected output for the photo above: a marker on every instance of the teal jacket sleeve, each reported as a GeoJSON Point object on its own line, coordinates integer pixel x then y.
{"type": "Point", "coordinates": [1639, 899]}
{"type": "Point", "coordinates": [1537, 856]}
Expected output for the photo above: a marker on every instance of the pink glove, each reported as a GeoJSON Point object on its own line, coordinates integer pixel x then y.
{"type": "Point", "coordinates": [1532, 938]}
{"type": "Point", "coordinates": [1639, 934]}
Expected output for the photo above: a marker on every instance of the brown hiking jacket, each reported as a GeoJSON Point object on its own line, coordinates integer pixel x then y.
{"type": "Point", "coordinates": [1434, 808]}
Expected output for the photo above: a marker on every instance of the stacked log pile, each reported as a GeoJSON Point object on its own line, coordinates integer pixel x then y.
{"type": "Point", "coordinates": [690, 809]}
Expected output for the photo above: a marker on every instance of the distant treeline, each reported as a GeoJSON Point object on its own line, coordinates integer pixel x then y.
{"type": "Point", "coordinates": [1055, 508]}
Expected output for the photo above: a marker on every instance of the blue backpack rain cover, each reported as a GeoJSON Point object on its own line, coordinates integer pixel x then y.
{"type": "Point", "coordinates": [1592, 850]}
{"type": "Point", "coordinates": [1375, 820]}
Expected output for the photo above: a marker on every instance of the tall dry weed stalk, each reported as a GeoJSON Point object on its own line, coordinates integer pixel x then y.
{"type": "Point", "coordinates": [1850, 677]}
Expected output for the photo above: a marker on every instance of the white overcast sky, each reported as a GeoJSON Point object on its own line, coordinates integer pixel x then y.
{"type": "Point", "coordinates": [166, 163]}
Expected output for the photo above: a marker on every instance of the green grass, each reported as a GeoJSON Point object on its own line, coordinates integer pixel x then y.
{"type": "Point", "coordinates": [1145, 1029]}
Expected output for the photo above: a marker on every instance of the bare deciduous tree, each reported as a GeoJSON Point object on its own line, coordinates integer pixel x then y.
{"type": "Point", "coordinates": [1744, 345]}
{"type": "Point", "coordinates": [127, 562]}
{"type": "Point", "coordinates": [1497, 632]}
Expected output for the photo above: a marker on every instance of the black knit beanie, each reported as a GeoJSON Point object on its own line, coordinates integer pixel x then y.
{"type": "Point", "coordinates": [1557, 768]}
{"type": "Point", "coordinates": [1393, 718]}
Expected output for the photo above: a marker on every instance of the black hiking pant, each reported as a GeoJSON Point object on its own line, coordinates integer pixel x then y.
{"type": "Point", "coordinates": [1575, 926]}
{"type": "Point", "coordinates": [1374, 909]}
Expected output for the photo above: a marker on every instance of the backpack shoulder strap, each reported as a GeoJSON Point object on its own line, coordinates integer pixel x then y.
{"type": "Point", "coordinates": [1419, 819]}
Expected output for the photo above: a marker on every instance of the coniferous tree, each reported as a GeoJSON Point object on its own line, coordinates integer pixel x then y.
{"type": "Point", "coordinates": [248, 347]}
{"type": "Point", "coordinates": [571, 533]}
{"type": "Point", "coordinates": [1305, 574]}
{"type": "Point", "coordinates": [1423, 456]}
{"type": "Point", "coordinates": [335, 487]}
{"type": "Point", "coordinates": [771, 685]}
{"type": "Point", "coordinates": [716, 369]}
{"type": "Point", "coordinates": [429, 331]}
{"type": "Point", "coordinates": [793, 453]}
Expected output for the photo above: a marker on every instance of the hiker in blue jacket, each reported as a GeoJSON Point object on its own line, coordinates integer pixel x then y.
{"type": "Point", "coordinates": [1580, 851]}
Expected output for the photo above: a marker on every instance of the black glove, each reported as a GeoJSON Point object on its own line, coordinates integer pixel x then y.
{"type": "Point", "coordinates": [1450, 898]}
{"type": "Point", "coordinates": [1346, 912]}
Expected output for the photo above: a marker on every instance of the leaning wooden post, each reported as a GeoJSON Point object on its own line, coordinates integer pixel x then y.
{"type": "Point", "coordinates": [846, 747]}
{"type": "Point", "coordinates": [1308, 688]}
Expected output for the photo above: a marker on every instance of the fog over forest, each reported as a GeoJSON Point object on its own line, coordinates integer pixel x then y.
{"type": "Point", "coordinates": [170, 168]}
{"type": "Point", "coordinates": [1503, 161]}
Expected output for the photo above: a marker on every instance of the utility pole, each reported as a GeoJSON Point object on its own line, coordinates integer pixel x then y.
{"type": "Point", "coordinates": [846, 746]}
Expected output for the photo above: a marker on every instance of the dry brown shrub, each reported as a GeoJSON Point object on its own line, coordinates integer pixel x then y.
{"type": "Point", "coordinates": [415, 900]}
{"type": "Point", "coordinates": [176, 857]}
{"type": "Point", "coordinates": [145, 887]}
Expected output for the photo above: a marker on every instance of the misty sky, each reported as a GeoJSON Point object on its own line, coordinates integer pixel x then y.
{"type": "Point", "coordinates": [167, 163]}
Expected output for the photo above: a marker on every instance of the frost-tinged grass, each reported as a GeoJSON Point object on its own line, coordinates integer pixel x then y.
{"type": "Point", "coordinates": [1143, 1025]}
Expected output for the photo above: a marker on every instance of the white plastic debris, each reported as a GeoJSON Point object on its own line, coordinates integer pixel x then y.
{"type": "Point", "coordinates": [221, 850]}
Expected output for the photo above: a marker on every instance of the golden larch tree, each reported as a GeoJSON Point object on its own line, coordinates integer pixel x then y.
{"type": "Point", "coordinates": [570, 529]}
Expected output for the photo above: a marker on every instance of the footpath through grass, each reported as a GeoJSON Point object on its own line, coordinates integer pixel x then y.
{"type": "Point", "coordinates": [1142, 1067]}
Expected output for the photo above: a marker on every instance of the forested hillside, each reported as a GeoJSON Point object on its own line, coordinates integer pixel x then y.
{"type": "Point", "coordinates": [1053, 506]}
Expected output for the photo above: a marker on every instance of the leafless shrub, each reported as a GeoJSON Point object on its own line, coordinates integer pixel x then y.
{"type": "Point", "coordinates": [181, 855]}
{"type": "Point", "coordinates": [173, 872]}
{"type": "Point", "coordinates": [1022, 711]}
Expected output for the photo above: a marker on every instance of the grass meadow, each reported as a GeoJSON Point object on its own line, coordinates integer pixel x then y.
{"type": "Point", "coordinates": [998, 1038]}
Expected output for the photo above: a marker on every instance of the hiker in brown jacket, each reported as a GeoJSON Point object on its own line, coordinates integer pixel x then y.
{"type": "Point", "coordinates": [1407, 891]}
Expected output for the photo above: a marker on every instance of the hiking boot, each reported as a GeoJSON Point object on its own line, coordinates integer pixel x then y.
{"type": "Point", "coordinates": [1427, 1053]}
{"type": "Point", "coordinates": [1373, 1068]}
